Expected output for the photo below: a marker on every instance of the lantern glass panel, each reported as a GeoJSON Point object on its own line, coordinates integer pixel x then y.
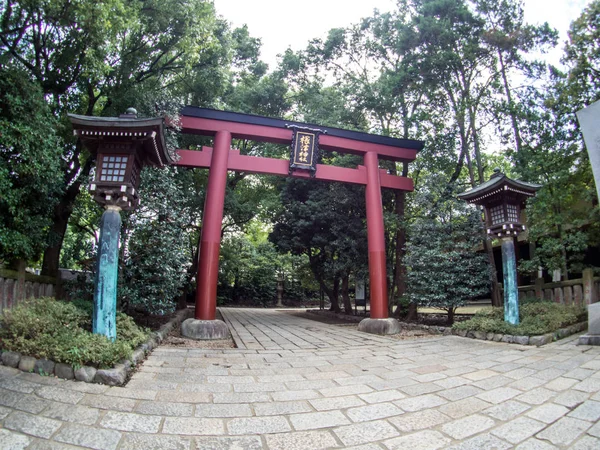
{"type": "Point", "coordinates": [497, 213]}
{"type": "Point", "coordinates": [513, 213]}
{"type": "Point", "coordinates": [113, 168]}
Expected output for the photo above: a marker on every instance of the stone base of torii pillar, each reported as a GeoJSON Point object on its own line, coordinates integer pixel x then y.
{"type": "Point", "coordinates": [379, 326]}
{"type": "Point", "coordinates": [204, 329]}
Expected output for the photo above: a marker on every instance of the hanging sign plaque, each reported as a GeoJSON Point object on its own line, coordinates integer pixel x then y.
{"type": "Point", "coordinates": [304, 151]}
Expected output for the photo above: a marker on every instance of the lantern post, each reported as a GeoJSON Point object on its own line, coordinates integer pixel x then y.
{"type": "Point", "coordinates": [503, 200]}
{"type": "Point", "coordinates": [122, 147]}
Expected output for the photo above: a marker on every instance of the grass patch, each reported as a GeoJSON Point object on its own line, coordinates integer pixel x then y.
{"type": "Point", "coordinates": [535, 318]}
{"type": "Point", "coordinates": [61, 331]}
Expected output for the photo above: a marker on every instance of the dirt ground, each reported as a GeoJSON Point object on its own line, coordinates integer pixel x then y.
{"type": "Point", "coordinates": [352, 322]}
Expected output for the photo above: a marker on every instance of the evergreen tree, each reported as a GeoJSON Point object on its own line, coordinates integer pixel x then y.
{"type": "Point", "coordinates": [444, 269]}
{"type": "Point", "coordinates": [30, 177]}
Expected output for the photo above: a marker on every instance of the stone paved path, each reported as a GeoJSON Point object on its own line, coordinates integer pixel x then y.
{"type": "Point", "coordinates": [300, 384]}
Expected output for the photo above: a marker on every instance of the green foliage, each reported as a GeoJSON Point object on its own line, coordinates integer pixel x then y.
{"type": "Point", "coordinates": [325, 222]}
{"type": "Point", "coordinates": [562, 219]}
{"type": "Point", "coordinates": [444, 270]}
{"type": "Point", "coordinates": [154, 269]}
{"type": "Point", "coordinates": [99, 58]}
{"type": "Point", "coordinates": [60, 331]}
{"type": "Point", "coordinates": [82, 234]}
{"type": "Point", "coordinates": [29, 167]}
{"type": "Point", "coordinates": [582, 56]}
{"type": "Point", "coordinates": [248, 272]}
{"type": "Point", "coordinates": [535, 318]}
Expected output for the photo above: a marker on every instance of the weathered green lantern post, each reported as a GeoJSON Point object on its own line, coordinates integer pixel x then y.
{"type": "Point", "coordinates": [122, 147]}
{"type": "Point", "coordinates": [503, 200]}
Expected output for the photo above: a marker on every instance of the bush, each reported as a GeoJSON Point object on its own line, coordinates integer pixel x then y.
{"type": "Point", "coordinates": [60, 331]}
{"type": "Point", "coordinates": [536, 317]}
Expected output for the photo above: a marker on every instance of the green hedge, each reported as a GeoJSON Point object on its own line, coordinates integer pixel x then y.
{"type": "Point", "coordinates": [535, 318]}
{"type": "Point", "coordinates": [61, 331]}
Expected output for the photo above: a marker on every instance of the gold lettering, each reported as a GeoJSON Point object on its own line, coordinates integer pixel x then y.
{"type": "Point", "coordinates": [305, 144]}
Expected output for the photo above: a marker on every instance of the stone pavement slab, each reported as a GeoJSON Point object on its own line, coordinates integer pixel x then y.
{"type": "Point", "coordinates": [294, 383]}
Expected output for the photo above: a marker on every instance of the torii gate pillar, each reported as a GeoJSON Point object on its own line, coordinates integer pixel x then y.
{"type": "Point", "coordinates": [204, 325]}
{"type": "Point", "coordinates": [378, 322]}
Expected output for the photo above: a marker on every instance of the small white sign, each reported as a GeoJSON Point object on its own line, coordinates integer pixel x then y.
{"type": "Point", "coordinates": [359, 290]}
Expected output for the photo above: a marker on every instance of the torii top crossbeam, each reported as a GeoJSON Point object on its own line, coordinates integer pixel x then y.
{"type": "Point", "coordinates": [208, 122]}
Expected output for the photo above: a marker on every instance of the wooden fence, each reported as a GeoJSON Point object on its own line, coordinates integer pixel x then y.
{"type": "Point", "coordinates": [581, 291]}
{"type": "Point", "coordinates": [18, 285]}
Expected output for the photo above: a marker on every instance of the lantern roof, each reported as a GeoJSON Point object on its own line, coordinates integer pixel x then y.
{"type": "Point", "coordinates": [497, 184]}
{"type": "Point", "coordinates": [147, 132]}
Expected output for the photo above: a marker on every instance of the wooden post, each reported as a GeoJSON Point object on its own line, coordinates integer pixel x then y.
{"type": "Point", "coordinates": [589, 293]}
{"type": "Point", "coordinates": [20, 284]}
{"type": "Point", "coordinates": [539, 288]}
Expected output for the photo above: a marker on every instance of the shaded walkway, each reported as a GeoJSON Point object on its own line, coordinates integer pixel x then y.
{"type": "Point", "coordinates": [300, 384]}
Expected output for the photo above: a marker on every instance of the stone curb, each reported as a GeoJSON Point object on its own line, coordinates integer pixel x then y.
{"type": "Point", "coordinates": [112, 377]}
{"type": "Point", "coordinates": [538, 341]}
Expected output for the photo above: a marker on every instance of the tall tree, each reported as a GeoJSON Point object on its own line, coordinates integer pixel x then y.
{"type": "Point", "coordinates": [455, 58]}
{"type": "Point", "coordinates": [582, 57]}
{"type": "Point", "coordinates": [443, 270]}
{"type": "Point", "coordinates": [98, 58]}
{"type": "Point", "coordinates": [513, 42]}
{"type": "Point", "coordinates": [561, 221]}
{"type": "Point", "coordinates": [29, 167]}
{"type": "Point", "coordinates": [324, 221]}
{"type": "Point", "coordinates": [375, 78]}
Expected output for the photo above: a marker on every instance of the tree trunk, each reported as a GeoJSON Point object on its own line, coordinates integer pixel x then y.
{"type": "Point", "coordinates": [345, 294]}
{"type": "Point", "coordinates": [563, 253]}
{"type": "Point", "coordinates": [60, 220]}
{"type": "Point", "coordinates": [332, 294]}
{"type": "Point", "coordinates": [412, 312]}
{"type": "Point", "coordinates": [476, 148]}
{"type": "Point", "coordinates": [51, 262]}
{"type": "Point", "coordinates": [450, 319]}
{"type": "Point", "coordinates": [234, 293]}
{"type": "Point", "coordinates": [182, 301]}
{"type": "Point", "coordinates": [497, 299]}
{"type": "Point", "coordinates": [399, 282]}
{"type": "Point", "coordinates": [335, 294]}
{"type": "Point", "coordinates": [513, 116]}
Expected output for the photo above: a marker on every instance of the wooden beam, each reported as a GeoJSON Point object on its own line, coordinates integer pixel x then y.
{"type": "Point", "coordinates": [280, 167]}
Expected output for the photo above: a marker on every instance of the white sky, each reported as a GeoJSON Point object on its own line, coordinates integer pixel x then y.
{"type": "Point", "coordinates": [271, 20]}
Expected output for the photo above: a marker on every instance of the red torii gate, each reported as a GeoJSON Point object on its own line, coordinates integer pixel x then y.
{"type": "Point", "coordinates": [226, 125]}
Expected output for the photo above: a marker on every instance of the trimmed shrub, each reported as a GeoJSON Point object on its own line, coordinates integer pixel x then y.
{"type": "Point", "coordinates": [60, 331]}
{"type": "Point", "coordinates": [535, 318]}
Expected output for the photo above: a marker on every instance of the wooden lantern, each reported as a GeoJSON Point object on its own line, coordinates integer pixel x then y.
{"type": "Point", "coordinates": [122, 146]}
